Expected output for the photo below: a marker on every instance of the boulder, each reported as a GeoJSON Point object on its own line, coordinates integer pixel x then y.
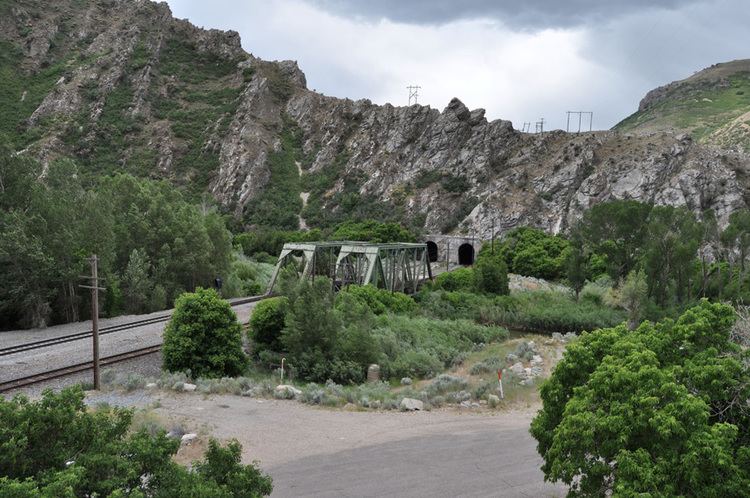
{"type": "Point", "coordinates": [517, 368]}
{"type": "Point", "coordinates": [536, 361]}
{"type": "Point", "coordinates": [411, 404]}
{"type": "Point", "coordinates": [406, 381]}
{"type": "Point", "coordinates": [287, 389]}
{"type": "Point", "coordinates": [188, 438]}
{"type": "Point", "coordinates": [188, 387]}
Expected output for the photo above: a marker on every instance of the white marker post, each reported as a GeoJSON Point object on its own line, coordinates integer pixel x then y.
{"type": "Point", "coordinates": [282, 370]}
{"type": "Point", "coordinates": [500, 381]}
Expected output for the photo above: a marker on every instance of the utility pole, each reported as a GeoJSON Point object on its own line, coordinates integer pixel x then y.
{"type": "Point", "coordinates": [540, 126]}
{"type": "Point", "coordinates": [94, 314]}
{"type": "Point", "coordinates": [413, 93]}
{"type": "Point", "coordinates": [590, 115]}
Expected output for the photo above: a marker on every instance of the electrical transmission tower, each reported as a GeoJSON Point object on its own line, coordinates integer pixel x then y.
{"type": "Point", "coordinates": [413, 94]}
{"type": "Point", "coordinates": [580, 118]}
{"type": "Point", "coordinates": [540, 126]}
{"type": "Point", "coordinates": [526, 128]}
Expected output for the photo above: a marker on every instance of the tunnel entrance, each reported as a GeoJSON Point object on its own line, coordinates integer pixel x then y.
{"type": "Point", "coordinates": [466, 254]}
{"type": "Point", "coordinates": [432, 251]}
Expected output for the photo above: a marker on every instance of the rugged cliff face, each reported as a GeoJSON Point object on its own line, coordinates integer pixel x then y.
{"type": "Point", "coordinates": [122, 86]}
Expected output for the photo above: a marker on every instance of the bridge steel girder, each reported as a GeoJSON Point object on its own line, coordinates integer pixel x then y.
{"type": "Point", "coordinates": [393, 266]}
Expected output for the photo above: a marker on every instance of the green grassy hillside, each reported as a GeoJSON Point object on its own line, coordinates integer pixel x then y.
{"type": "Point", "coordinates": [712, 105]}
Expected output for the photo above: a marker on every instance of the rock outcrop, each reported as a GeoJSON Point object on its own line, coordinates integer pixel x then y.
{"type": "Point", "coordinates": [201, 112]}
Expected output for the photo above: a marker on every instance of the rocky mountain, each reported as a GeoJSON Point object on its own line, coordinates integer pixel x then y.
{"type": "Point", "coordinates": [713, 105]}
{"type": "Point", "coordinates": [120, 85]}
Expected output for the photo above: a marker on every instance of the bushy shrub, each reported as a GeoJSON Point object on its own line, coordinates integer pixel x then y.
{"type": "Point", "coordinates": [378, 300]}
{"type": "Point", "coordinates": [492, 364]}
{"type": "Point", "coordinates": [63, 449]}
{"type": "Point", "coordinates": [534, 311]}
{"type": "Point", "coordinates": [456, 280]}
{"type": "Point", "coordinates": [422, 347]}
{"type": "Point", "coordinates": [534, 253]}
{"type": "Point", "coordinates": [446, 383]}
{"type": "Point", "coordinates": [203, 336]}
{"type": "Point", "coordinates": [267, 322]}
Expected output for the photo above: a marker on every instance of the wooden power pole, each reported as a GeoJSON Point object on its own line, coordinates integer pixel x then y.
{"type": "Point", "coordinates": [94, 277]}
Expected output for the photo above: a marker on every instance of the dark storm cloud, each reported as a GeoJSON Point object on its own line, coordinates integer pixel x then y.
{"type": "Point", "coordinates": [523, 14]}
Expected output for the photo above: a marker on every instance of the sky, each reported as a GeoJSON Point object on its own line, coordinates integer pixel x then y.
{"type": "Point", "coordinates": [520, 60]}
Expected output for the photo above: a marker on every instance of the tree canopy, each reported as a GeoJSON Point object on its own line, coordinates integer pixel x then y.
{"type": "Point", "coordinates": [57, 448]}
{"type": "Point", "coordinates": [660, 411]}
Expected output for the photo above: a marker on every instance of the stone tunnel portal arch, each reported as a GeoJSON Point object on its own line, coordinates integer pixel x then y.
{"type": "Point", "coordinates": [432, 251]}
{"type": "Point", "coordinates": [466, 254]}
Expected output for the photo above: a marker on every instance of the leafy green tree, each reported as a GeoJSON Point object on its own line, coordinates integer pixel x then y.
{"type": "Point", "coordinates": [533, 252]}
{"type": "Point", "coordinates": [55, 447]}
{"type": "Point", "coordinates": [576, 266]}
{"type": "Point", "coordinates": [372, 231]}
{"type": "Point", "coordinates": [460, 279]}
{"type": "Point", "coordinates": [674, 236]}
{"type": "Point", "coordinates": [267, 322]}
{"type": "Point", "coordinates": [659, 411]}
{"type": "Point", "coordinates": [617, 230]}
{"type": "Point", "coordinates": [204, 337]}
{"type": "Point", "coordinates": [136, 283]}
{"type": "Point", "coordinates": [491, 274]}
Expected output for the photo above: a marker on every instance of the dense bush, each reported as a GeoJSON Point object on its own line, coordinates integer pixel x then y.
{"type": "Point", "coordinates": [491, 274]}
{"type": "Point", "coordinates": [267, 322]}
{"type": "Point", "coordinates": [664, 409]}
{"type": "Point", "coordinates": [56, 447]}
{"type": "Point", "coordinates": [372, 231]}
{"type": "Point", "coordinates": [535, 253]}
{"type": "Point", "coordinates": [379, 301]}
{"type": "Point", "coordinates": [203, 336]}
{"type": "Point", "coordinates": [534, 311]}
{"type": "Point", "coordinates": [460, 279]}
{"type": "Point", "coordinates": [423, 347]}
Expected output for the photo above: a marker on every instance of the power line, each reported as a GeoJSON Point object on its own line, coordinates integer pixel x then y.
{"type": "Point", "coordinates": [413, 93]}
{"type": "Point", "coordinates": [580, 116]}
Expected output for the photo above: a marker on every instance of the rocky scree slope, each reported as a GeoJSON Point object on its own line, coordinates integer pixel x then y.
{"type": "Point", "coordinates": [123, 86]}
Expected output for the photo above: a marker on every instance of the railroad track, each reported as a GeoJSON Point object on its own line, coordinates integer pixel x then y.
{"type": "Point", "coordinates": [53, 341]}
{"type": "Point", "coordinates": [88, 365]}
{"type": "Point", "coordinates": [78, 367]}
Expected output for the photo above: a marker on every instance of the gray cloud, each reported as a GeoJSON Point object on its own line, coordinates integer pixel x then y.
{"type": "Point", "coordinates": [520, 14]}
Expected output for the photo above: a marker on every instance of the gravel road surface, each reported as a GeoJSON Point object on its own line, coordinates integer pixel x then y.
{"type": "Point", "coordinates": [325, 453]}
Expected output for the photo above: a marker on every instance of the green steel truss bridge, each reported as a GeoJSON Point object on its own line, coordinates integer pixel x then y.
{"type": "Point", "coordinates": [396, 266]}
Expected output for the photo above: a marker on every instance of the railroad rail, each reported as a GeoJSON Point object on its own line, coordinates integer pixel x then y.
{"type": "Point", "coordinates": [53, 341]}
{"type": "Point", "coordinates": [88, 365]}
{"type": "Point", "coordinates": [78, 367]}
{"type": "Point", "coordinates": [108, 360]}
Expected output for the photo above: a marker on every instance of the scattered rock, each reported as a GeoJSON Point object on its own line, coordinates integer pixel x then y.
{"type": "Point", "coordinates": [188, 438]}
{"type": "Point", "coordinates": [512, 358]}
{"type": "Point", "coordinates": [406, 381]}
{"type": "Point", "coordinates": [411, 404]}
{"type": "Point", "coordinates": [536, 360]}
{"type": "Point", "coordinates": [151, 385]}
{"type": "Point", "coordinates": [188, 387]}
{"type": "Point", "coordinates": [373, 373]}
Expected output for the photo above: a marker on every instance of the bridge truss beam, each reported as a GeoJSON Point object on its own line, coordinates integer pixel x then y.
{"type": "Point", "coordinates": [396, 267]}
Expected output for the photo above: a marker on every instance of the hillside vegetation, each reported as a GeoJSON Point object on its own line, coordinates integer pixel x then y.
{"type": "Point", "coordinates": [713, 106]}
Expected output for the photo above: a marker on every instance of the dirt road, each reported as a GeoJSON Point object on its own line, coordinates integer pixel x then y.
{"type": "Point", "coordinates": [319, 452]}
